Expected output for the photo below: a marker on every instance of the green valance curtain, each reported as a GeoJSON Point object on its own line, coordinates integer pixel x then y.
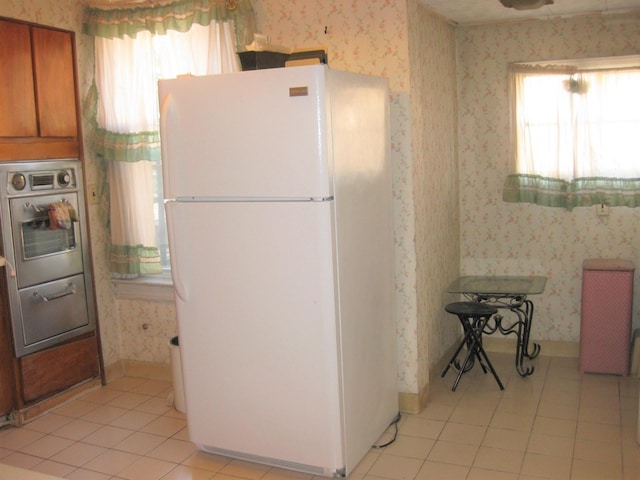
{"type": "Point", "coordinates": [135, 46]}
{"type": "Point", "coordinates": [171, 15]}
{"type": "Point", "coordinates": [579, 192]}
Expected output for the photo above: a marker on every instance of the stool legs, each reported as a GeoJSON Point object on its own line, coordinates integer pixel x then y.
{"type": "Point", "coordinates": [473, 327]}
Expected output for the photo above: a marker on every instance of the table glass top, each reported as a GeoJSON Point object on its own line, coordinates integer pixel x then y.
{"type": "Point", "coordinates": [501, 285]}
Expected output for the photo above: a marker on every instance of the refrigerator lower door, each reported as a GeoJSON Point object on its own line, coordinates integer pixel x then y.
{"type": "Point", "coordinates": [257, 325]}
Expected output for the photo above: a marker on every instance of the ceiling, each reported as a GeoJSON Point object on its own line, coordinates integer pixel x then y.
{"type": "Point", "coordinates": [471, 12]}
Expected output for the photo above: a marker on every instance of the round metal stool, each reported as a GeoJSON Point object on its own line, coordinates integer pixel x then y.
{"type": "Point", "coordinates": [474, 317]}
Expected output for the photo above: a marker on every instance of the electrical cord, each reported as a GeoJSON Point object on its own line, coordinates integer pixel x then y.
{"type": "Point", "coordinates": [394, 422]}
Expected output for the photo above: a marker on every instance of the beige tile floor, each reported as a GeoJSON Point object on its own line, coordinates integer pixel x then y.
{"type": "Point", "coordinates": [556, 424]}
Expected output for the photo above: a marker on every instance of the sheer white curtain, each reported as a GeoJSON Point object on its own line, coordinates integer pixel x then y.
{"type": "Point", "coordinates": [542, 126]}
{"type": "Point", "coordinates": [572, 125]}
{"type": "Point", "coordinates": [127, 72]}
{"type": "Point", "coordinates": [608, 140]}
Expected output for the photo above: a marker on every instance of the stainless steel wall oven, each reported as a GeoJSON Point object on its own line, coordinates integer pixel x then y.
{"type": "Point", "coordinates": [44, 240]}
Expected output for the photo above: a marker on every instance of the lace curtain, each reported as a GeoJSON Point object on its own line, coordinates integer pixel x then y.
{"type": "Point", "coordinates": [134, 47]}
{"type": "Point", "coordinates": [575, 136]}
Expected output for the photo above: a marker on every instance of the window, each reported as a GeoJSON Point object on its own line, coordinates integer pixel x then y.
{"type": "Point", "coordinates": [135, 47]}
{"type": "Point", "coordinates": [575, 130]}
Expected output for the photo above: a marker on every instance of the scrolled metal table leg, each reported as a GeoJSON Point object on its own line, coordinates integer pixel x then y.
{"type": "Point", "coordinates": [527, 331]}
{"type": "Point", "coordinates": [521, 344]}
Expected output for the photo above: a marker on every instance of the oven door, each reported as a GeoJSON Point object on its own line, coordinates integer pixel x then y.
{"type": "Point", "coordinates": [44, 252]}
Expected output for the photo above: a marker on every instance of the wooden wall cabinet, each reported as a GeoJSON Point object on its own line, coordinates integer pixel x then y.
{"type": "Point", "coordinates": [38, 104]}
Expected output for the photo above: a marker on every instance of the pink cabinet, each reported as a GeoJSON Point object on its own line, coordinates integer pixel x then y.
{"type": "Point", "coordinates": [606, 314]}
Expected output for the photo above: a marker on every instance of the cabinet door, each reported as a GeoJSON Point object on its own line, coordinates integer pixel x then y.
{"type": "Point", "coordinates": [17, 103]}
{"type": "Point", "coordinates": [55, 86]}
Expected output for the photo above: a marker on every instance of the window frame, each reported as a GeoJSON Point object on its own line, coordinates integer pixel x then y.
{"type": "Point", "coordinates": [554, 187]}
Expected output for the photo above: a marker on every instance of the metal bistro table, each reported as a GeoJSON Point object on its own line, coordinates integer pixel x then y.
{"type": "Point", "coordinates": [510, 293]}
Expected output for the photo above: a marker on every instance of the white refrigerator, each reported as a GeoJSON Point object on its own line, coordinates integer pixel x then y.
{"type": "Point", "coordinates": [278, 200]}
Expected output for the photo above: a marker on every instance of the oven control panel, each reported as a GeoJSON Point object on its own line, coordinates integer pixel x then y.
{"type": "Point", "coordinates": [26, 182]}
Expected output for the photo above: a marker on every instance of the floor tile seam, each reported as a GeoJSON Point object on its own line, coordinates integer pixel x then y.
{"type": "Point", "coordinates": [149, 455]}
{"type": "Point", "coordinates": [55, 434]}
{"type": "Point", "coordinates": [568, 477]}
{"type": "Point", "coordinates": [495, 469]}
{"type": "Point", "coordinates": [74, 468]}
{"type": "Point", "coordinates": [41, 460]}
{"type": "Point", "coordinates": [104, 449]}
{"type": "Point", "coordinates": [125, 450]}
{"type": "Point", "coordinates": [102, 421]}
{"type": "Point", "coordinates": [55, 437]}
{"type": "Point", "coordinates": [620, 459]}
{"type": "Point", "coordinates": [99, 404]}
{"type": "Point", "coordinates": [210, 477]}
{"type": "Point", "coordinates": [128, 428]}
{"type": "Point", "coordinates": [155, 447]}
{"type": "Point", "coordinates": [113, 475]}
{"type": "Point", "coordinates": [367, 473]}
{"type": "Point", "coordinates": [21, 444]}
{"type": "Point", "coordinates": [574, 457]}
{"type": "Point", "coordinates": [530, 431]}
{"type": "Point", "coordinates": [535, 415]}
{"type": "Point", "coordinates": [373, 448]}
{"type": "Point", "coordinates": [583, 409]}
{"type": "Point", "coordinates": [110, 447]}
{"type": "Point", "coordinates": [620, 465]}
{"type": "Point", "coordinates": [484, 438]}
{"type": "Point", "coordinates": [37, 455]}
{"type": "Point", "coordinates": [130, 406]}
{"type": "Point", "coordinates": [40, 463]}
{"type": "Point", "coordinates": [458, 442]}
{"type": "Point", "coordinates": [108, 422]}
{"type": "Point", "coordinates": [74, 415]}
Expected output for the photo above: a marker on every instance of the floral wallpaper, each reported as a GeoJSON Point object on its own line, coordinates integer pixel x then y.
{"type": "Point", "coordinates": [501, 238]}
{"type": "Point", "coordinates": [432, 60]}
{"type": "Point", "coordinates": [147, 327]}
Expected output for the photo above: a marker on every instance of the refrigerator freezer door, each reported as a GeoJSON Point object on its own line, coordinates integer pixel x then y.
{"type": "Point", "coordinates": [250, 134]}
{"type": "Point", "coordinates": [257, 328]}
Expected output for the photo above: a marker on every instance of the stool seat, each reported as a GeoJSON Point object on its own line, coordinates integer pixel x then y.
{"type": "Point", "coordinates": [471, 309]}
{"type": "Point", "coordinates": [473, 317]}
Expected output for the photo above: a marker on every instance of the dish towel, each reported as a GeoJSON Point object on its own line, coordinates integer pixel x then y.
{"type": "Point", "coordinates": [61, 216]}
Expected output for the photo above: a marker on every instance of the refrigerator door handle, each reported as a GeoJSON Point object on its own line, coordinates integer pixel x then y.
{"type": "Point", "coordinates": [167, 112]}
{"type": "Point", "coordinates": [178, 286]}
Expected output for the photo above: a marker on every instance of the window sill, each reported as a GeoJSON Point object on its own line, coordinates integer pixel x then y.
{"type": "Point", "coordinates": [153, 289]}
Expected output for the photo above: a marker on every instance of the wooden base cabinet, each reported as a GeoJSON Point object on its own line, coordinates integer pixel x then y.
{"type": "Point", "coordinates": [38, 103]}
{"type": "Point", "coordinates": [53, 370]}
{"type": "Point", "coordinates": [33, 384]}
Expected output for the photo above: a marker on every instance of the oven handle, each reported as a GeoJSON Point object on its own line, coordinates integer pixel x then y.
{"type": "Point", "coordinates": [70, 289]}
